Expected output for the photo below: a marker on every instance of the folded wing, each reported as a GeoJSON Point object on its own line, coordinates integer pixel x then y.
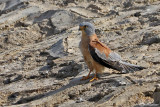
{"type": "Point", "coordinates": [104, 56]}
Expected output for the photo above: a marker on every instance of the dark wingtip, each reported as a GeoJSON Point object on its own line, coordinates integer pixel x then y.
{"type": "Point", "coordinates": [141, 68]}
{"type": "Point", "coordinates": [131, 69]}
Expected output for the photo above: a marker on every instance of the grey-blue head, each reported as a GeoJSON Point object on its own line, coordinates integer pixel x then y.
{"type": "Point", "coordinates": [87, 27]}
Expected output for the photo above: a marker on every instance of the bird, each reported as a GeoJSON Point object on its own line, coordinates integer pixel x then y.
{"type": "Point", "coordinates": [97, 55]}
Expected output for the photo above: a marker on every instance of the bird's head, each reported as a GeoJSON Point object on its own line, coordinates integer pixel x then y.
{"type": "Point", "coordinates": [87, 28]}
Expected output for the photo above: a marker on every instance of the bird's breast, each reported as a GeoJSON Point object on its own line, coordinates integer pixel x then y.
{"type": "Point", "coordinates": [84, 50]}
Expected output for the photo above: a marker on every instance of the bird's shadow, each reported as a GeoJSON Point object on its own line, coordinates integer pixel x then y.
{"type": "Point", "coordinates": [76, 81]}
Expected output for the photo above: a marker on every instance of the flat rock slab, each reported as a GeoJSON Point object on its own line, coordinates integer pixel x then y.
{"type": "Point", "coordinates": [85, 13]}
{"type": "Point", "coordinates": [14, 16]}
{"type": "Point", "coordinates": [62, 20]}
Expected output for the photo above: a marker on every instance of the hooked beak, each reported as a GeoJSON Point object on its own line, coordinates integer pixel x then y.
{"type": "Point", "coordinates": [81, 28]}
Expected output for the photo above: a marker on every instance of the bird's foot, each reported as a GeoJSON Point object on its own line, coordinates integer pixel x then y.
{"type": "Point", "coordinates": [94, 78]}
{"type": "Point", "coordinates": [85, 77]}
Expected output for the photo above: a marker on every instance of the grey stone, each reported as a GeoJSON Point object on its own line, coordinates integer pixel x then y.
{"type": "Point", "coordinates": [62, 20]}
{"type": "Point", "coordinates": [156, 95]}
{"type": "Point", "coordinates": [148, 105]}
{"type": "Point", "coordinates": [150, 39]}
{"type": "Point", "coordinates": [58, 49]}
{"type": "Point", "coordinates": [14, 16]}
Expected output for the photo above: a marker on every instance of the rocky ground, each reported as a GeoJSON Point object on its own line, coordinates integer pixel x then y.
{"type": "Point", "coordinates": [41, 64]}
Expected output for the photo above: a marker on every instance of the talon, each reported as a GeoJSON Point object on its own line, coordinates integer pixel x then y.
{"type": "Point", "coordinates": [85, 77]}
{"type": "Point", "coordinates": [94, 78]}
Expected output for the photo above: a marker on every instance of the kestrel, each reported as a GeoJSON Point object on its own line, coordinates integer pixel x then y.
{"type": "Point", "coordinates": [97, 55]}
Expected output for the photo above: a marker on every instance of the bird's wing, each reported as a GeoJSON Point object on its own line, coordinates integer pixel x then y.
{"type": "Point", "coordinates": [104, 56]}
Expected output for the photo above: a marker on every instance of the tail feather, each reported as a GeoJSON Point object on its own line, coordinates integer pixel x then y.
{"type": "Point", "coordinates": [127, 67]}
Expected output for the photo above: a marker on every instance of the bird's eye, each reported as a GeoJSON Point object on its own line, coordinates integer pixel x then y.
{"type": "Point", "coordinates": [85, 26]}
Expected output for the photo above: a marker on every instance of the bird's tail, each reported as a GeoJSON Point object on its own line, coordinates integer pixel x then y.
{"type": "Point", "coordinates": [128, 68]}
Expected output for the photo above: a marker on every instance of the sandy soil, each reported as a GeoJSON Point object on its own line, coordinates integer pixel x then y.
{"type": "Point", "coordinates": [41, 64]}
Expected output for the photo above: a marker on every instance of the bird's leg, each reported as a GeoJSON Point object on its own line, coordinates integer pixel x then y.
{"type": "Point", "coordinates": [86, 77]}
{"type": "Point", "coordinates": [94, 78]}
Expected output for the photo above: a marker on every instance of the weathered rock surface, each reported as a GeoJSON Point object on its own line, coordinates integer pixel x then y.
{"type": "Point", "coordinates": [40, 60]}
